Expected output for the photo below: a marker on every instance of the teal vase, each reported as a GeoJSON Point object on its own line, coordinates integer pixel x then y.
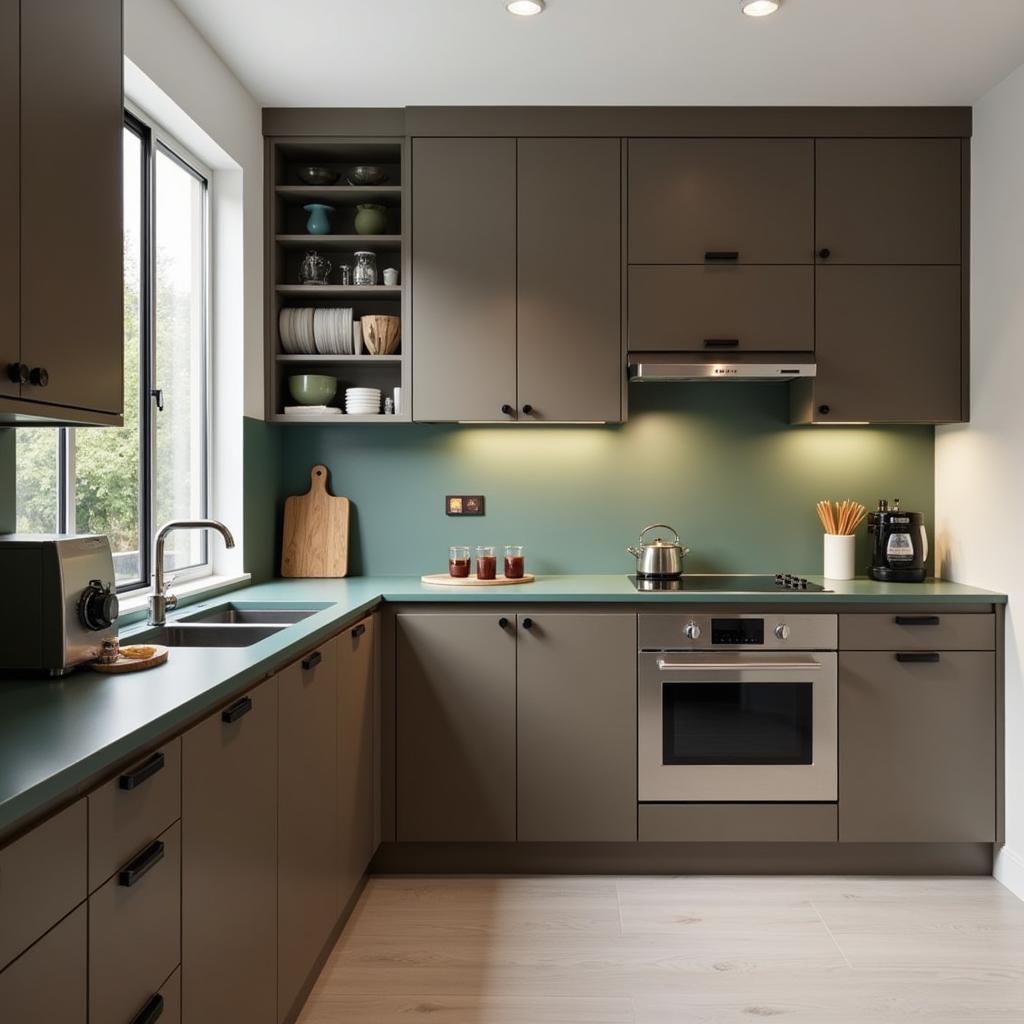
{"type": "Point", "coordinates": [319, 223]}
{"type": "Point", "coordinates": [371, 219]}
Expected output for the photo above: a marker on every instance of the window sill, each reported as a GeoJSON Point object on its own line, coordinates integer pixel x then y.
{"type": "Point", "coordinates": [134, 606]}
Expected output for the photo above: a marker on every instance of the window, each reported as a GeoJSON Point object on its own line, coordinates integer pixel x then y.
{"type": "Point", "coordinates": [128, 481]}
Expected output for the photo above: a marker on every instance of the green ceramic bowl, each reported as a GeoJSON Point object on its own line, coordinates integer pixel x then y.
{"type": "Point", "coordinates": [312, 388]}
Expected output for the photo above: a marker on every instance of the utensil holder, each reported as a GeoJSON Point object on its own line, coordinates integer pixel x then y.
{"type": "Point", "coordinates": [839, 556]}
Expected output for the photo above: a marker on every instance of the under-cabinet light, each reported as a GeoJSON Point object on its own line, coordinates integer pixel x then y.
{"type": "Point", "coordinates": [759, 8]}
{"type": "Point", "coordinates": [524, 7]}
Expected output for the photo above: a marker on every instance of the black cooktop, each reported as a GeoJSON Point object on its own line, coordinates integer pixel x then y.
{"type": "Point", "coordinates": [751, 583]}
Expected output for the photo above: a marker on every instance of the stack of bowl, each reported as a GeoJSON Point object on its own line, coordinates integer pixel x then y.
{"type": "Point", "coordinates": [362, 401]}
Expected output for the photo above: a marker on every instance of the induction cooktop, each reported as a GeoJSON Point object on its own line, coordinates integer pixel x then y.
{"type": "Point", "coordinates": [750, 583]}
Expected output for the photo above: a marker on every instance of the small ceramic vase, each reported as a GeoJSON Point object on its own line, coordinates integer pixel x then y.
{"type": "Point", "coordinates": [319, 223]}
{"type": "Point", "coordinates": [371, 219]}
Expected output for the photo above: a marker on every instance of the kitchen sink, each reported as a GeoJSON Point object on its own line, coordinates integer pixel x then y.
{"type": "Point", "coordinates": [197, 634]}
{"type": "Point", "coordinates": [235, 614]}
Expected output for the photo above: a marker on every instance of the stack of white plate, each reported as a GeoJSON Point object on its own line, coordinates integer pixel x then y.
{"type": "Point", "coordinates": [362, 401]}
{"type": "Point", "coordinates": [332, 331]}
{"type": "Point", "coordinates": [296, 326]}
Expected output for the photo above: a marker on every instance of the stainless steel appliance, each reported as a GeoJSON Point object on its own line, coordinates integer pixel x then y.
{"type": "Point", "coordinates": [717, 365]}
{"type": "Point", "coordinates": [714, 583]}
{"type": "Point", "coordinates": [737, 707]}
{"type": "Point", "coordinates": [658, 558]}
{"type": "Point", "coordinates": [899, 544]}
{"type": "Point", "coordinates": [58, 603]}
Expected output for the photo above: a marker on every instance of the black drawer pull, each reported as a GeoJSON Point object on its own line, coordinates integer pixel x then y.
{"type": "Point", "coordinates": [134, 870]}
{"type": "Point", "coordinates": [152, 1011]}
{"type": "Point", "coordinates": [312, 661]}
{"type": "Point", "coordinates": [359, 630]}
{"type": "Point", "coordinates": [238, 710]}
{"type": "Point", "coordinates": [916, 620]}
{"type": "Point", "coordinates": [721, 255]}
{"type": "Point", "coordinates": [917, 656]}
{"type": "Point", "coordinates": [146, 770]}
{"type": "Point", "coordinates": [721, 342]}
{"type": "Point", "coordinates": [527, 623]}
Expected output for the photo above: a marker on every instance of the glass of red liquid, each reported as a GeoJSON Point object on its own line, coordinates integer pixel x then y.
{"type": "Point", "coordinates": [458, 562]}
{"type": "Point", "coordinates": [515, 563]}
{"type": "Point", "coordinates": [486, 564]}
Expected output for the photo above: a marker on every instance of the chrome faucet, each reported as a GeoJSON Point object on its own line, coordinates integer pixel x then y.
{"type": "Point", "coordinates": [161, 600]}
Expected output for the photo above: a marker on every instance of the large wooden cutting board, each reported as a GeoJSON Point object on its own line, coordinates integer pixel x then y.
{"type": "Point", "coordinates": [315, 543]}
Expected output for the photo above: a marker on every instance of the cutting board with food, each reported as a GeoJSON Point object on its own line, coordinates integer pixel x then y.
{"type": "Point", "coordinates": [133, 658]}
{"type": "Point", "coordinates": [315, 543]}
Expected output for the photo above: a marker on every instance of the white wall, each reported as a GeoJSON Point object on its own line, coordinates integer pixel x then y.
{"type": "Point", "coordinates": [979, 467]}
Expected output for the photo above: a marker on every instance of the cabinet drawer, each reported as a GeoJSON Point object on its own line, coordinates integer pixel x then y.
{"type": "Point", "coordinates": [132, 809]}
{"type": "Point", "coordinates": [135, 931]}
{"type": "Point", "coordinates": [164, 1005]}
{"type": "Point", "coordinates": [47, 983]}
{"type": "Point", "coordinates": [42, 877]}
{"type": "Point", "coordinates": [705, 309]}
{"type": "Point", "coordinates": [914, 631]}
{"type": "Point", "coordinates": [738, 823]}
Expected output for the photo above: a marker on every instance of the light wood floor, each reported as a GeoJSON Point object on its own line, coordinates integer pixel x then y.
{"type": "Point", "coordinates": [676, 950]}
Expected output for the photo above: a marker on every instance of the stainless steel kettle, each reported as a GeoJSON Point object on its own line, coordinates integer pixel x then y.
{"type": "Point", "coordinates": [659, 557]}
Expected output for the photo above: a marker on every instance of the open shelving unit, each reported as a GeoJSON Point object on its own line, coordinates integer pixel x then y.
{"type": "Point", "coordinates": [287, 243]}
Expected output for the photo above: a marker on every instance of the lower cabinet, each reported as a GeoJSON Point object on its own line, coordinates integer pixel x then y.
{"type": "Point", "coordinates": [916, 746]}
{"type": "Point", "coordinates": [307, 848]}
{"type": "Point", "coordinates": [229, 863]}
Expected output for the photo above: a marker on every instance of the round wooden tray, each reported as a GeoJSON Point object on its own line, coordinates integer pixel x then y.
{"type": "Point", "coordinates": [158, 657]}
{"type": "Point", "coordinates": [442, 579]}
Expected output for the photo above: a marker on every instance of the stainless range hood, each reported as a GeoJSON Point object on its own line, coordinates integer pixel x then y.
{"type": "Point", "coordinates": [680, 366]}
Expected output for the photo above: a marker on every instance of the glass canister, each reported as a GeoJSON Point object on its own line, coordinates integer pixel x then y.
{"type": "Point", "coordinates": [365, 273]}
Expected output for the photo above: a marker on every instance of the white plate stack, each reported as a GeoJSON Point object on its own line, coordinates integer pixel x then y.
{"type": "Point", "coordinates": [296, 326]}
{"type": "Point", "coordinates": [362, 401]}
{"type": "Point", "coordinates": [309, 330]}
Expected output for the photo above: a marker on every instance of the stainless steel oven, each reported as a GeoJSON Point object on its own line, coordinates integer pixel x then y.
{"type": "Point", "coordinates": [737, 708]}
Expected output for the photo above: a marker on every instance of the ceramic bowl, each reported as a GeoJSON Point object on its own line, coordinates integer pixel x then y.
{"type": "Point", "coordinates": [366, 174]}
{"type": "Point", "coordinates": [312, 388]}
{"type": "Point", "coordinates": [317, 175]}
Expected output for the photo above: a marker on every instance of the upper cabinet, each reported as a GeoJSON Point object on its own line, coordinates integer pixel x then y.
{"type": "Point", "coordinates": [517, 263]}
{"type": "Point", "coordinates": [61, 360]}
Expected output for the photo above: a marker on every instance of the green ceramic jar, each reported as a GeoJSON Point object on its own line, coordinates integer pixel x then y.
{"type": "Point", "coordinates": [371, 219]}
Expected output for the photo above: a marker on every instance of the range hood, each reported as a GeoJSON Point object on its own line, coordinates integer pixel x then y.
{"type": "Point", "coordinates": [651, 367]}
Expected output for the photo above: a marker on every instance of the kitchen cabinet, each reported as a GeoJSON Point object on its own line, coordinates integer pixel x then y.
{"type": "Point", "coordinates": [456, 727]}
{"type": "Point", "coordinates": [576, 728]}
{"type": "Point", "coordinates": [516, 279]}
{"type": "Point", "coordinates": [229, 862]}
{"type": "Point", "coordinates": [357, 793]}
{"type": "Point", "coordinates": [307, 847]}
{"type": "Point", "coordinates": [47, 983]}
{"type": "Point", "coordinates": [917, 746]}
{"type": "Point", "coordinates": [66, 355]}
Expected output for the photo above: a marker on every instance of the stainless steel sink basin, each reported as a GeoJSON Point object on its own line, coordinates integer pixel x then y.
{"type": "Point", "coordinates": [202, 635]}
{"type": "Point", "coordinates": [234, 614]}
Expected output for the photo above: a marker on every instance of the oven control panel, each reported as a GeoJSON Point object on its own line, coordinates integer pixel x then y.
{"type": "Point", "coordinates": [703, 632]}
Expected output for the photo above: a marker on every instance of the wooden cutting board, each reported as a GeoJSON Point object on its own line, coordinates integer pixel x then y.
{"type": "Point", "coordinates": [123, 664]}
{"type": "Point", "coordinates": [315, 543]}
{"type": "Point", "coordinates": [442, 579]}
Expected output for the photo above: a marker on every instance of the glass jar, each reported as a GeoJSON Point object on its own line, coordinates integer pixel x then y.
{"type": "Point", "coordinates": [515, 562]}
{"type": "Point", "coordinates": [458, 562]}
{"type": "Point", "coordinates": [365, 273]}
{"type": "Point", "coordinates": [486, 564]}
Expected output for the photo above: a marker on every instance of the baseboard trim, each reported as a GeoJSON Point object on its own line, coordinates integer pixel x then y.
{"type": "Point", "coordinates": [685, 858]}
{"type": "Point", "coordinates": [1008, 870]}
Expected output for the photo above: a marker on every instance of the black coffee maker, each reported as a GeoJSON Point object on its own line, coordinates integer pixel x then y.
{"type": "Point", "coordinates": [899, 544]}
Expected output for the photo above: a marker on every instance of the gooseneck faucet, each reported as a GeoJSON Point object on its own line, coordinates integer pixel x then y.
{"type": "Point", "coordinates": [161, 600]}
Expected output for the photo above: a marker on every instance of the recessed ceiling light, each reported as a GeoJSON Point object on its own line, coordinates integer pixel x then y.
{"type": "Point", "coordinates": [759, 8]}
{"type": "Point", "coordinates": [524, 7]}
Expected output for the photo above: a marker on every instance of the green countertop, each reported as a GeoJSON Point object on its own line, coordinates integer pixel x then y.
{"type": "Point", "coordinates": [58, 739]}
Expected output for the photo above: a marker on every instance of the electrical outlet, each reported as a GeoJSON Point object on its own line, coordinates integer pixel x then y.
{"type": "Point", "coordinates": [464, 505]}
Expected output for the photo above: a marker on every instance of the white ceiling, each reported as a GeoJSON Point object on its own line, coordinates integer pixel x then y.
{"type": "Point", "coordinates": [471, 52]}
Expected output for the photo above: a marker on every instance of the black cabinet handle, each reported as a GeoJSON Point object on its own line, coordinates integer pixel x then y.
{"type": "Point", "coordinates": [39, 376]}
{"type": "Point", "coordinates": [721, 342]}
{"type": "Point", "coordinates": [17, 373]}
{"type": "Point", "coordinates": [238, 710]}
{"type": "Point", "coordinates": [508, 410]}
{"type": "Point", "coordinates": [359, 630]}
{"type": "Point", "coordinates": [824, 410]}
{"type": "Point", "coordinates": [134, 870]}
{"type": "Point", "coordinates": [721, 256]}
{"type": "Point", "coordinates": [145, 770]}
{"type": "Point", "coordinates": [312, 661]}
{"type": "Point", "coordinates": [824, 253]}
{"type": "Point", "coordinates": [916, 620]}
{"type": "Point", "coordinates": [527, 623]}
{"type": "Point", "coordinates": [152, 1011]}
{"type": "Point", "coordinates": [503, 622]}
{"type": "Point", "coordinates": [527, 409]}
{"type": "Point", "coordinates": [916, 656]}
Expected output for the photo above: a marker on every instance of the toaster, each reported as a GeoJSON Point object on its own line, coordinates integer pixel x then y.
{"type": "Point", "coordinates": [58, 602]}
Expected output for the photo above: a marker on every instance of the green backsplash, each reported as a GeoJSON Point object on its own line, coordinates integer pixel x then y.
{"type": "Point", "coordinates": [261, 475]}
{"type": "Point", "coordinates": [717, 461]}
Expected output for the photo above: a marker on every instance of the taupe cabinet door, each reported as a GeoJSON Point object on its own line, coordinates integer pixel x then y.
{"type": "Point", "coordinates": [888, 344]}
{"type": "Point", "coordinates": [917, 747]}
{"type": "Point", "coordinates": [888, 200]}
{"type": "Point", "coordinates": [72, 110]}
{"type": "Point", "coordinates": [229, 863]}
{"type": "Point", "coordinates": [690, 197]}
{"type": "Point", "coordinates": [356, 790]}
{"type": "Point", "coordinates": [576, 728]}
{"type": "Point", "coordinates": [569, 279]}
{"type": "Point", "coordinates": [456, 695]}
{"type": "Point", "coordinates": [307, 850]}
{"type": "Point", "coordinates": [47, 984]}
{"type": "Point", "coordinates": [10, 187]}
{"type": "Point", "coordinates": [464, 278]}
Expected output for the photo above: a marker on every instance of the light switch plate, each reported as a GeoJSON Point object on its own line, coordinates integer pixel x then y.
{"type": "Point", "coordinates": [464, 505]}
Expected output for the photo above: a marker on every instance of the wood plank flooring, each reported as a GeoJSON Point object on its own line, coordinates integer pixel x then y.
{"type": "Point", "coordinates": [656, 950]}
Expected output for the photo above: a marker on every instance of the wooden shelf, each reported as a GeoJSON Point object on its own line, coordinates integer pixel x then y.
{"type": "Point", "coordinates": [379, 420]}
{"type": "Point", "coordinates": [322, 360]}
{"type": "Point", "coordinates": [341, 291]}
{"type": "Point", "coordinates": [381, 243]}
{"type": "Point", "coordinates": [386, 195]}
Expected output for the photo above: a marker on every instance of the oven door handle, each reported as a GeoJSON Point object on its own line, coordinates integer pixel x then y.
{"type": "Point", "coordinates": [737, 666]}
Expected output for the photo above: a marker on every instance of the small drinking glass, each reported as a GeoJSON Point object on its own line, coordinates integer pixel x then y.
{"type": "Point", "coordinates": [458, 562]}
{"type": "Point", "coordinates": [486, 564]}
{"type": "Point", "coordinates": [515, 563]}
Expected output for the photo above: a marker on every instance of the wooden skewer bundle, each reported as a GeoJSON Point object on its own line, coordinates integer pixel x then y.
{"type": "Point", "coordinates": [841, 517]}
